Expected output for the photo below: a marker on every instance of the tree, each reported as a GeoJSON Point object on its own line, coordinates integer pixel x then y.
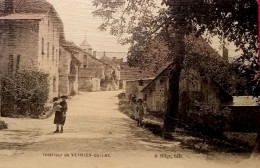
{"type": "Point", "coordinates": [139, 21]}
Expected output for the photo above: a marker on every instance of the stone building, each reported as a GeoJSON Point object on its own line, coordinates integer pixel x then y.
{"type": "Point", "coordinates": [135, 86]}
{"type": "Point", "coordinates": [97, 74]}
{"type": "Point", "coordinates": [204, 92]}
{"type": "Point", "coordinates": [30, 35]}
{"type": "Point", "coordinates": [68, 69]}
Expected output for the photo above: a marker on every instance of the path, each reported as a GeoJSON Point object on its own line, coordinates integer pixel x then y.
{"type": "Point", "coordinates": [96, 134]}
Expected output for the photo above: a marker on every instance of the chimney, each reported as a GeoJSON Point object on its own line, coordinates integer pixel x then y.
{"type": "Point", "coordinates": [8, 7]}
{"type": "Point", "coordinates": [95, 54]}
{"type": "Point", "coordinates": [225, 53]}
{"type": "Point", "coordinates": [104, 53]}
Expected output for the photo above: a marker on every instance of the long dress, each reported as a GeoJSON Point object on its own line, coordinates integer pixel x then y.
{"type": "Point", "coordinates": [140, 111]}
{"type": "Point", "coordinates": [64, 108]}
{"type": "Point", "coordinates": [58, 114]}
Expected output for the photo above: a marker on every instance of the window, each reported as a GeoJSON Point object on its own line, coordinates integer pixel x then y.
{"type": "Point", "coordinates": [85, 66]}
{"type": "Point", "coordinates": [57, 55]}
{"type": "Point", "coordinates": [145, 97]}
{"type": "Point", "coordinates": [18, 62]}
{"type": "Point", "coordinates": [48, 48]}
{"type": "Point", "coordinates": [52, 53]}
{"type": "Point", "coordinates": [42, 46]}
{"type": "Point", "coordinates": [11, 64]}
{"type": "Point", "coordinates": [54, 84]}
{"type": "Point", "coordinates": [141, 82]}
{"type": "Point", "coordinates": [1, 38]}
{"type": "Point", "coordinates": [85, 60]}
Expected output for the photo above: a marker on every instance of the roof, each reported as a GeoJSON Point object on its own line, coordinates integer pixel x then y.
{"type": "Point", "coordinates": [25, 16]}
{"type": "Point", "coordinates": [28, 6]}
{"type": "Point", "coordinates": [109, 61]}
{"type": "Point", "coordinates": [112, 54]}
{"type": "Point", "coordinates": [32, 9]}
{"type": "Point", "coordinates": [131, 73]}
{"type": "Point", "coordinates": [144, 79]}
{"type": "Point", "coordinates": [72, 47]}
{"type": "Point", "coordinates": [166, 71]}
{"type": "Point", "coordinates": [163, 72]}
{"type": "Point", "coordinates": [85, 45]}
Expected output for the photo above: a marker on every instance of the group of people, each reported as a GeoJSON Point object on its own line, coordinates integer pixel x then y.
{"type": "Point", "coordinates": [60, 108]}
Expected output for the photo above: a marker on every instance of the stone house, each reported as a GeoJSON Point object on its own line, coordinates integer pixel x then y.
{"type": "Point", "coordinates": [134, 87]}
{"type": "Point", "coordinates": [134, 80]}
{"type": "Point", "coordinates": [112, 73]}
{"type": "Point", "coordinates": [68, 70]}
{"type": "Point", "coordinates": [92, 70]}
{"type": "Point", "coordinates": [204, 93]}
{"type": "Point", "coordinates": [30, 37]}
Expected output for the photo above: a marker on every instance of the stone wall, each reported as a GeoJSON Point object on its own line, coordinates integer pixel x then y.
{"type": "Point", "coordinates": [48, 51]}
{"type": "Point", "coordinates": [64, 70]}
{"type": "Point", "coordinates": [243, 119]}
{"type": "Point", "coordinates": [30, 44]}
{"type": "Point", "coordinates": [68, 78]}
{"type": "Point", "coordinates": [135, 87]}
{"type": "Point", "coordinates": [89, 84]}
{"type": "Point", "coordinates": [18, 38]}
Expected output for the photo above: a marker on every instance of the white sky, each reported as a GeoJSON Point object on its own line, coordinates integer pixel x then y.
{"type": "Point", "coordinates": [78, 20]}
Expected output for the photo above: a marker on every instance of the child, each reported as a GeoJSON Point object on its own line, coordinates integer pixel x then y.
{"type": "Point", "coordinates": [140, 112]}
{"type": "Point", "coordinates": [58, 114]}
{"type": "Point", "coordinates": [64, 108]}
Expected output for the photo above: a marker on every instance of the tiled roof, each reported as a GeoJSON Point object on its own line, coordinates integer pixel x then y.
{"type": "Point", "coordinates": [109, 61]}
{"type": "Point", "coordinates": [25, 16]}
{"type": "Point", "coordinates": [132, 73]}
{"type": "Point", "coordinates": [166, 66]}
{"type": "Point", "coordinates": [29, 6]}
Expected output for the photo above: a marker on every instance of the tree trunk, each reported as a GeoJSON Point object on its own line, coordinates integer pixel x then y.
{"type": "Point", "coordinates": [0, 95]}
{"type": "Point", "coordinates": [170, 117]}
{"type": "Point", "coordinates": [178, 52]}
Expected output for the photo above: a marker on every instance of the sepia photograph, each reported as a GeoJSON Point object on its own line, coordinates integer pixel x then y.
{"type": "Point", "coordinates": [129, 84]}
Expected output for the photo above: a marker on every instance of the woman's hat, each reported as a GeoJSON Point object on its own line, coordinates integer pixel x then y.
{"type": "Point", "coordinates": [64, 96]}
{"type": "Point", "coordinates": [139, 100]}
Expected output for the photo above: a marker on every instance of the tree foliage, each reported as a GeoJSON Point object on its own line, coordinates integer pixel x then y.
{"type": "Point", "coordinates": [24, 93]}
{"type": "Point", "coordinates": [139, 22]}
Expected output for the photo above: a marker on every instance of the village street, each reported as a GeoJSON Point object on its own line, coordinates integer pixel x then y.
{"type": "Point", "coordinates": [96, 134]}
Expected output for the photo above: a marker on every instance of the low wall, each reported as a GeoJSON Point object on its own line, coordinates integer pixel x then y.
{"type": "Point", "coordinates": [89, 84]}
{"type": "Point", "coordinates": [244, 119]}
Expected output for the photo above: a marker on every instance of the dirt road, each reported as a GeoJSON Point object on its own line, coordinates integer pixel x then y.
{"type": "Point", "coordinates": [95, 135]}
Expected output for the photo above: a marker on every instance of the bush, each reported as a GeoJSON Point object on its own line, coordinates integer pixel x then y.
{"type": "Point", "coordinates": [3, 125]}
{"type": "Point", "coordinates": [121, 96]}
{"type": "Point", "coordinates": [24, 93]}
{"type": "Point", "coordinates": [127, 109]}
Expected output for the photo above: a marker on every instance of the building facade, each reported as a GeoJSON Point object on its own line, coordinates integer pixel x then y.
{"type": "Point", "coordinates": [30, 38]}
{"type": "Point", "coordinates": [68, 72]}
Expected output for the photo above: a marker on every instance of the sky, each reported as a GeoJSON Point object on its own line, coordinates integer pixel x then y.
{"type": "Point", "coordinates": [80, 23]}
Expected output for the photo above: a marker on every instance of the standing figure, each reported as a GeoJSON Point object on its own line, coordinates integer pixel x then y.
{"type": "Point", "coordinates": [64, 108]}
{"type": "Point", "coordinates": [58, 114]}
{"type": "Point", "coordinates": [140, 112]}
